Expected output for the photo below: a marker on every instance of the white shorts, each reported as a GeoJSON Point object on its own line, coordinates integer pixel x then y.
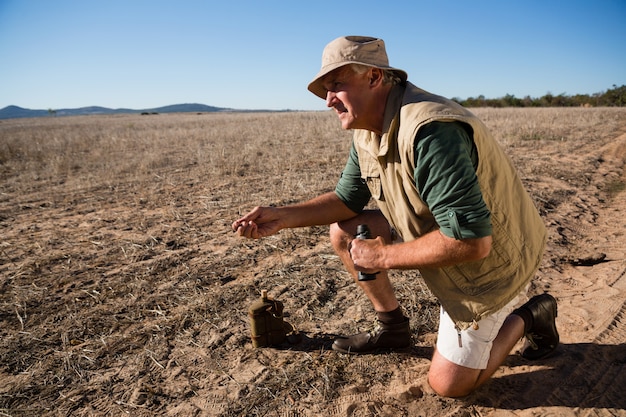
{"type": "Point", "coordinates": [474, 347]}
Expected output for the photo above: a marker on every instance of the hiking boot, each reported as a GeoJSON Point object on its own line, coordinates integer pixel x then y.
{"type": "Point", "coordinates": [383, 336]}
{"type": "Point", "coordinates": [542, 336]}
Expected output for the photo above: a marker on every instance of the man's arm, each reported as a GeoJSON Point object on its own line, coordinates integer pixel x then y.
{"type": "Point", "coordinates": [265, 221]}
{"type": "Point", "coordinates": [432, 250]}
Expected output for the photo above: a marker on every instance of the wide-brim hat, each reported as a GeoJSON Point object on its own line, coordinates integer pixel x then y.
{"type": "Point", "coordinates": [346, 50]}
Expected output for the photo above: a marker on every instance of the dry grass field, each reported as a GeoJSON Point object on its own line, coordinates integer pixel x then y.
{"type": "Point", "coordinates": [123, 290]}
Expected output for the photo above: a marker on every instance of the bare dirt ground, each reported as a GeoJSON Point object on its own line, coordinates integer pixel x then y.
{"type": "Point", "coordinates": [123, 291]}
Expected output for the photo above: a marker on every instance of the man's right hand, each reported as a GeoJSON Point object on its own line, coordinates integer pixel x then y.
{"type": "Point", "coordinates": [258, 223]}
{"type": "Point", "coordinates": [266, 221]}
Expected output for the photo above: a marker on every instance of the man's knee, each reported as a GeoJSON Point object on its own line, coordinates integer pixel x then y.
{"type": "Point", "coordinates": [339, 237]}
{"type": "Point", "coordinates": [449, 388]}
{"type": "Point", "coordinates": [450, 380]}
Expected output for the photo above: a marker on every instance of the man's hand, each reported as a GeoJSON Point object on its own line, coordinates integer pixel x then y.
{"type": "Point", "coordinates": [368, 254]}
{"type": "Point", "coordinates": [260, 222]}
{"type": "Point", "coordinates": [266, 221]}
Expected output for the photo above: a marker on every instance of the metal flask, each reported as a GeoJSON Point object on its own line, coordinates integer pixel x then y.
{"type": "Point", "coordinates": [266, 322]}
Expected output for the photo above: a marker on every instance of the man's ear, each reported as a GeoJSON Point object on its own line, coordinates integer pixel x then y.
{"type": "Point", "coordinates": [375, 77]}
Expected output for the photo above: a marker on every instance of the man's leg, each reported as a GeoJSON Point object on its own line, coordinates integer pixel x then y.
{"type": "Point", "coordinates": [393, 327]}
{"type": "Point", "coordinates": [451, 380]}
{"type": "Point", "coordinates": [379, 291]}
{"type": "Point", "coordinates": [535, 320]}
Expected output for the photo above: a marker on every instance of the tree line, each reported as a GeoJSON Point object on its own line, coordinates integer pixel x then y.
{"type": "Point", "coordinates": [614, 97]}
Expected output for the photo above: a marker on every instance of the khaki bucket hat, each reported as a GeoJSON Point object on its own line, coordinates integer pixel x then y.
{"type": "Point", "coordinates": [346, 50]}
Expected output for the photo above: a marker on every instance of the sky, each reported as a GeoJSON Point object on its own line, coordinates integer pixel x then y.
{"type": "Point", "coordinates": [143, 54]}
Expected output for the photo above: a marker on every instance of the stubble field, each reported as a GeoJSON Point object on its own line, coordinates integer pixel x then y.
{"type": "Point", "coordinates": [123, 290]}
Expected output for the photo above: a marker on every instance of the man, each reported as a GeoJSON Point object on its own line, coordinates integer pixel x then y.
{"type": "Point", "coordinates": [450, 205]}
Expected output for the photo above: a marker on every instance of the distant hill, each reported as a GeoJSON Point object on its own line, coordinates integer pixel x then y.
{"type": "Point", "coordinates": [13, 112]}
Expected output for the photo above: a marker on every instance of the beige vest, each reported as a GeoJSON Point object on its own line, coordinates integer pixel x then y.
{"type": "Point", "coordinates": [471, 290]}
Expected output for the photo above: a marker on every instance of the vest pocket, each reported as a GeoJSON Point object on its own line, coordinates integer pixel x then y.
{"type": "Point", "coordinates": [375, 186]}
{"type": "Point", "coordinates": [478, 277]}
{"type": "Point", "coordinates": [371, 175]}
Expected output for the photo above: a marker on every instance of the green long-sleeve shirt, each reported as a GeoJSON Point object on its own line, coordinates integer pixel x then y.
{"type": "Point", "coordinates": [445, 177]}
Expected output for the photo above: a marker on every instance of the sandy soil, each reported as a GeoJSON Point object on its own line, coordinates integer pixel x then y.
{"type": "Point", "coordinates": [132, 299]}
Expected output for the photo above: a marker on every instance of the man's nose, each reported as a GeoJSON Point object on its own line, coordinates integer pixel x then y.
{"type": "Point", "coordinates": [330, 98]}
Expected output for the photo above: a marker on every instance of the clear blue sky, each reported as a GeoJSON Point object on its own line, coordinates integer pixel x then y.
{"type": "Point", "coordinates": [262, 54]}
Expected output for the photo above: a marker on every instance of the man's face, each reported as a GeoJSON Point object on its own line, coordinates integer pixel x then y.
{"type": "Point", "coordinates": [348, 93]}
